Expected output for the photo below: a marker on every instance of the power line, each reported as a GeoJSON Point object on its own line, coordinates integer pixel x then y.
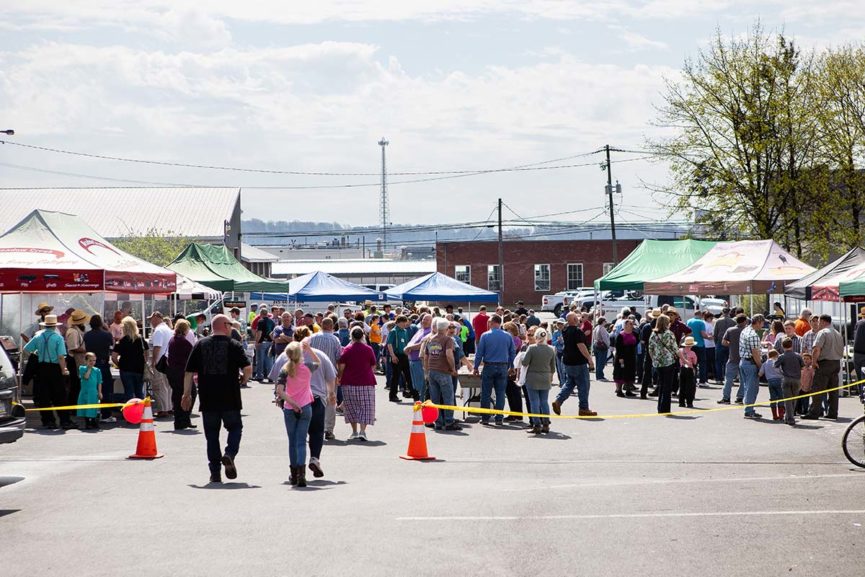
{"type": "Point", "coordinates": [288, 172]}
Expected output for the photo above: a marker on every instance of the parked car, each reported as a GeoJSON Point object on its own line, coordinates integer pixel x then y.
{"type": "Point", "coordinates": [555, 303]}
{"type": "Point", "coordinates": [12, 415]}
{"type": "Point", "coordinates": [612, 301]}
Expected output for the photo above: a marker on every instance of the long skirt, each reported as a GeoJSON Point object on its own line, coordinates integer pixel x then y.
{"type": "Point", "coordinates": [358, 404]}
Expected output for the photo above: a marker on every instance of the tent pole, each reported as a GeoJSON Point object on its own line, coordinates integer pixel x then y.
{"type": "Point", "coordinates": [846, 361]}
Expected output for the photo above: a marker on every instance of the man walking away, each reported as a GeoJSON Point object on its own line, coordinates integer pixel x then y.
{"type": "Point", "coordinates": [222, 368]}
{"type": "Point", "coordinates": [577, 362]}
{"type": "Point", "coordinates": [826, 359]}
{"type": "Point", "coordinates": [496, 352]}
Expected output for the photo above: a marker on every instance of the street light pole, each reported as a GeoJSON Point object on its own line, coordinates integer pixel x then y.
{"type": "Point", "coordinates": [501, 257]}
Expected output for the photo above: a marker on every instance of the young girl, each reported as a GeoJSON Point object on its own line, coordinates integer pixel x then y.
{"type": "Point", "coordinates": [775, 380]}
{"type": "Point", "coordinates": [91, 391]}
{"type": "Point", "coordinates": [803, 404]}
{"type": "Point", "coordinates": [294, 392]}
{"type": "Point", "coordinates": [687, 382]}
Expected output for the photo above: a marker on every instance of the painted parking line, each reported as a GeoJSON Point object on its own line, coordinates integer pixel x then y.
{"type": "Point", "coordinates": [636, 515]}
{"type": "Point", "coordinates": [637, 482]}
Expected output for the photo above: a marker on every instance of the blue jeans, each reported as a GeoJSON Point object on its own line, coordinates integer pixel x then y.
{"type": "Point", "coordinates": [701, 363]}
{"type": "Point", "coordinates": [576, 377]}
{"type": "Point", "coordinates": [493, 377]}
{"type": "Point", "coordinates": [539, 399]}
{"type": "Point", "coordinates": [748, 374]}
{"type": "Point", "coordinates": [722, 355]}
{"type": "Point", "coordinates": [212, 421]}
{"type": "Point", "coordinates": [133, 385]}
{"type": "Point", "coordinates": [297, 427]}
{"type": "Point", "coordinates": [560, 368]}
{"type": "Point", "coordinates": [263, 361]}
{"type": "Point", "coordinates": [731, 371]}
{"type": "Point", "coordinates": [417, 377]}
{"type": "Point", "coordinates": [776, 390]}
{"type": "Point", "coordinates": [600, 362]}
{"type": "Point", "coordinates": [441, 392]}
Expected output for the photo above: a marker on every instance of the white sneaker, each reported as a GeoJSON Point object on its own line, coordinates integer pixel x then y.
{"type": "Point", "coordinates": [353, 437]}
{"type": "Point", "coordinates": [108, 420]}
{"type": "Point", "coordinates": [362, 436]}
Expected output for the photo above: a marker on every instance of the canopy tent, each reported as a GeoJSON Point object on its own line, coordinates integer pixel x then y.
{"type": "Point", "coordinates": [651, 260]}
{"type": "Point", "coordinates": [440, 287]}
{"type": "Point", "coordinates": [822, 285]}
{"type": "Point", "coordinates": [851, 287]}
{"type": "Point", "coordinates": [55, 252]}
{"type": "Point", "coordinates": [321, 287]}
{"type": "Point", "coordinates": [215, 266]}
{"type": "Point", "coordinates": [750, 266]}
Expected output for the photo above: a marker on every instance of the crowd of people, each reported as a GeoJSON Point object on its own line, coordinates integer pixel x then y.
{"type": "Point", "coordinates": [324, 365]}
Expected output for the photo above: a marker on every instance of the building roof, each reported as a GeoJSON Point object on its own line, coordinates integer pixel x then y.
{"type": "Point", "coordinates": [117, 212]}
{"type": "Point", "coordinates": [249, 253]}
{"type": "Point", "coordinates": [368, 266]}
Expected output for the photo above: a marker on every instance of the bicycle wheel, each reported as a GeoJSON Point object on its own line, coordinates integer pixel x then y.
{"type": "Point", "coordinates": [853, 442]}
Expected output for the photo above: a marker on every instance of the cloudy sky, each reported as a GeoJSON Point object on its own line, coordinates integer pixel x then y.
{"type": "Point", "coordinates": [455, 85]}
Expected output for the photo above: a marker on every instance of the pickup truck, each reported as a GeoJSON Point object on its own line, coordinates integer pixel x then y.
{"type": "Point", "coordinates": [562, 299]}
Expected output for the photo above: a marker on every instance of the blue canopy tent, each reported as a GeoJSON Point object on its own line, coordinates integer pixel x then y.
{"type": "Point", "coordinates": [320, 287]}
{"type": "Point", "coordinates": [440, 287]}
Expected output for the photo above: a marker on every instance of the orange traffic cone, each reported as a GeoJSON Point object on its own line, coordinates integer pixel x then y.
{"type": "Point", "coordinates": [146, 448]}
{"type": "Point", "coordinates": [417, 450]}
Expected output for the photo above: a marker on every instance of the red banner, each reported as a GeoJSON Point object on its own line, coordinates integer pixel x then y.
{"type": "Point", "coordinates": [140, 283]}
{"type": "Point", "coordinates": [46, 280]}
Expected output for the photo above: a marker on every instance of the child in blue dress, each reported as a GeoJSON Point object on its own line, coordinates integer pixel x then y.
{"type": "Point", "coordinates": [91, 391]}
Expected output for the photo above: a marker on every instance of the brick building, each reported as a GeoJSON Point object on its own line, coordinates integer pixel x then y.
{"type": "Point", "coordinates": [532, 268]}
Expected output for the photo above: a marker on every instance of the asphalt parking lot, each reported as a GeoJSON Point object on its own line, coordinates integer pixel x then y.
{"type": "Point", "coordinates": [713, 494]}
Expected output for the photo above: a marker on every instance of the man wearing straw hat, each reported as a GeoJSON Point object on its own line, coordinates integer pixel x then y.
{"type": "Point", "coordinates": [75, 351]}
{"type": "Point", "coordinates": [33, 361]}
{"type": "Point", "coordinates": [49, 390]}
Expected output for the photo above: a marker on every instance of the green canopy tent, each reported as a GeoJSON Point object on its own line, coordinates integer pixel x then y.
{"type": "Point", "coordinates": [653, 259]}
{"type": "Point", "coordinates": [214, 266]}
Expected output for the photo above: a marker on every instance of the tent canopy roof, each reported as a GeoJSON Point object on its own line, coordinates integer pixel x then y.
{"type": "Point", "coordinates": [320, 286]}
{"type": "Point", "coordinates": [823, 284]}
{"type": "Point", "coordinates": [749, 266]}
{"type": "Point", "coordinates": [215, 266]}
{"type": "Point", "coordinates": [59, 252]}
{"type": "Point", "coordinates": [440, 287]}
{"type": "Point", "coordinates": [651, 260]}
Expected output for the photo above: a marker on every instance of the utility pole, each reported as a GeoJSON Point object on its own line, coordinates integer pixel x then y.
{"type": "Point", "coordinates": [501, 256]}
{"type": "Point", "coordinates": [609, 190]}
{"type": "Point", "coordinates": [384, 208]}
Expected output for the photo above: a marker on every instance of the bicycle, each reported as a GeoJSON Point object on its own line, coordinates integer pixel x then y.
{"type": "Point", "coordinates": [853, 441]}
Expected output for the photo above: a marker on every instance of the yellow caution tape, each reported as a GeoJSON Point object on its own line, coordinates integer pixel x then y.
{"type": "Point", "coordinates": [732, 407]}
{"type": "Point", "coordinates": [72, 407]}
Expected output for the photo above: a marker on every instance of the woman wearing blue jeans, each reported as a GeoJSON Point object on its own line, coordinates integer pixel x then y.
{"type": "Point", "coordinates": [601, 347]}
{"type": "Point", "coordinates": [539, 362]}
{"type": "Point", "coordinates": [295, 395]}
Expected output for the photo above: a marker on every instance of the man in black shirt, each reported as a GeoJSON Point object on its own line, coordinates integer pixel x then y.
{"type": "Point", "coordinates": [577, 363]}
{"type": "Point", "coordinates": [218, 360]}
{"type": "Point", "coordinates": [859, 346]}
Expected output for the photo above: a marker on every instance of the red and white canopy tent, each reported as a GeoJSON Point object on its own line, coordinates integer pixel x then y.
{"type": "Point", "coordinates": [57, 258]}
{"type": "Point", "coordinates": [58, 252]}
{"type": "Point", "coordinates": [735, 268]}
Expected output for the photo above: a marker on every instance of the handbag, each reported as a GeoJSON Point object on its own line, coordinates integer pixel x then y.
{"type": "Point", "coordinates": [148, 370]}
{"type": "Point", "coordinates": [162, 365]}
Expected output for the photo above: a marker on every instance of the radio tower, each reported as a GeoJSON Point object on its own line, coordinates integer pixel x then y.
{"type": "Point", "coordinates": [384, 208]}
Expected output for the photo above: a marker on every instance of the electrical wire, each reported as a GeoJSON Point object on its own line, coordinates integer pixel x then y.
{"type": "Point", "coordinates": [289, 172]}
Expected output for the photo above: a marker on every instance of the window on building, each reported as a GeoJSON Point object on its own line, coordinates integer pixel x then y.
{"type": "Point", "coordinates": [494, 277]}
{"type": "Point", "coordinates": [463, 273]}
{"type": "Point", "coordinates": [608, 266]}
{"type": "Point", "coordinates": [575, 276]}
{"type": "Point", "coordinates": [542, 277]}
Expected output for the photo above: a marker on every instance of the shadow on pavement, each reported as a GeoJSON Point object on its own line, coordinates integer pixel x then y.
{"type": "Point", "coordinates": [183, 432]}
{"type": "Point", "coordinates": [684, 417]}
{"type": "Point", "coordinates": [4, 481]}
{"type": "Point", "coordinates": [352, 443]}
{"type": "Point", "coordinates": [228, 485]}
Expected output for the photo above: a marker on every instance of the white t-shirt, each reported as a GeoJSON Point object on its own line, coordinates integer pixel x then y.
{"type": "Point", "coordinates": [710, 329]}
{"type": "Point", "coordinates": [160, 338]}
{"type": "Point", "coordinates": [518, 364]}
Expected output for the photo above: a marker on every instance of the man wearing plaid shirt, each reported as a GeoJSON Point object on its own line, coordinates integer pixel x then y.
{"type": "Point", "coordinates": [749, 365]}
{"type": "Point", "coordinates": [807, 341]}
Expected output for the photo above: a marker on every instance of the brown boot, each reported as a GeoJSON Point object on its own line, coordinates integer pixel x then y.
{"type": "Point", "coordinates": [782, 412]}
{"type": "Point", "coordinates": [292, 480]}
{"type": "Point", "coordinates": [301, 476]}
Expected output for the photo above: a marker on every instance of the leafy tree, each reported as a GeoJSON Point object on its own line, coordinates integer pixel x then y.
{"type": "Point", "coordinates": [743, 136]}
{"type": "Point", "coordinates": [154, 246]}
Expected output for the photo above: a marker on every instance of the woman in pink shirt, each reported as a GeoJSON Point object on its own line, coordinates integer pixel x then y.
{"type": "Point", "coordinates": [358, 384]}
{"type": "Point", "coordinates": [295, 395]}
